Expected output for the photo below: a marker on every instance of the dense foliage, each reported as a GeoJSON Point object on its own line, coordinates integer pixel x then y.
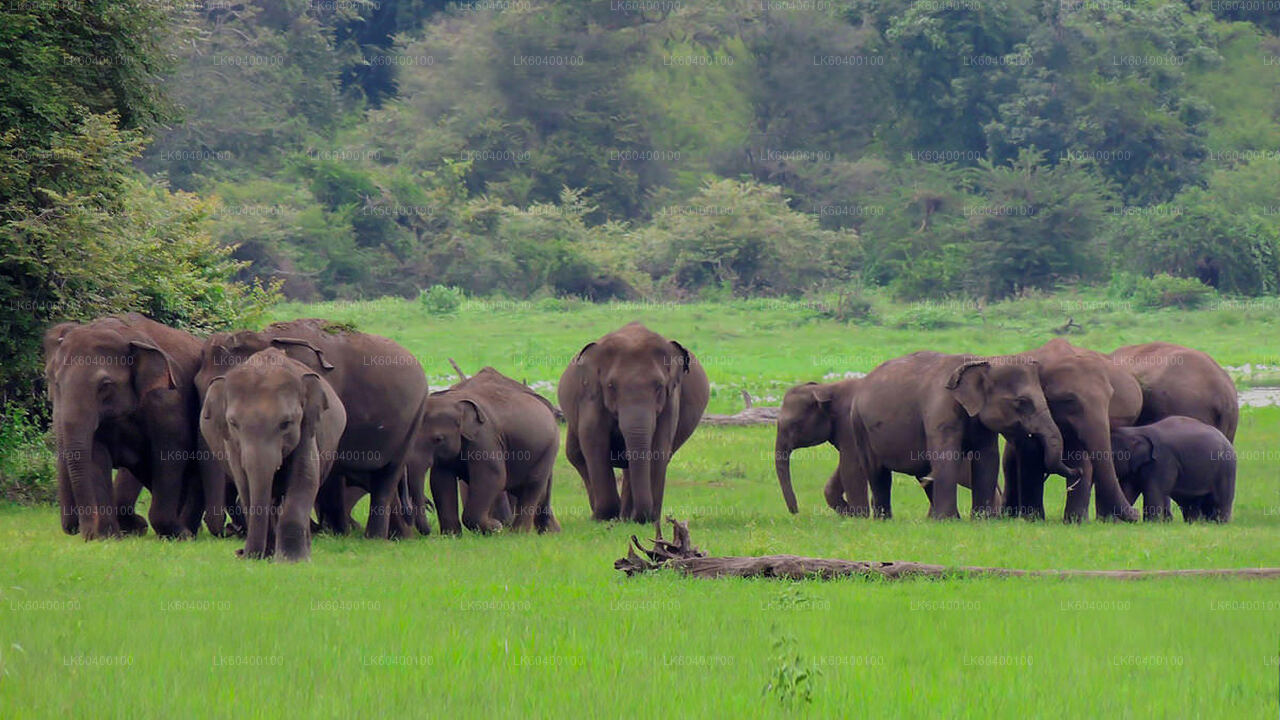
{"type": "Point", "coordinates": [82, 232]}
{"type": "Point", "coordinates": [544, 147]}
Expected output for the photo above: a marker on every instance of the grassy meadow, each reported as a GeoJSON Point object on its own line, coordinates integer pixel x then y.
{"type": "Point", "coordinates": [545, 627]}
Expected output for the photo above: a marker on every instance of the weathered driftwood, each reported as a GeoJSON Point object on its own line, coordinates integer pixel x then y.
{"type": "Point", "coordinates": [760, 415]}
{"type": "Point", "coordinates": [680, 555]}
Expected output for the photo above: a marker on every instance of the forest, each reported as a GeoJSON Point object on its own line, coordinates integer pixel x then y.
{"type": "Point", "coordinates": [198, 160]}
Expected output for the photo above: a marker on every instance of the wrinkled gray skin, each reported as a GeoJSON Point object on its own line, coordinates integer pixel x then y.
{"type": "Point", "coordinates": [929, 414]}
{"type": "Point", "coordinates": [1088, 395]}
{"type": "Point", "coordinates": [501, 438]}
{"type": "Point", "coordinates": [630, 400]}
{"type": "Point", "coordinates": [1177, 380]}
{"type": "Point", "coordinates": [275, 425]}
{"type": "Point", "coordinates": [382, 388]}
{"type": "Point", "coordinates": [123, 398]}
{"type": "Point", "coordinates": [812, 414]}
{"type": "Point", "coordinates": [1179, 458]}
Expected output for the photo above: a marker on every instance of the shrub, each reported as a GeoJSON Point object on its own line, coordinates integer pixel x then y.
{"type": "Point", "coordinates": [441, 300]}
{"type": "Point", "coordinates": [745, 237]}
{"type": "Point", "coordinates": [847, 307]}
{"type": "Point", "coordinates": [27, 473]}
{"type": "Point", "coordinates": [925, 316]}
{"type": "Point", "coordinates": [1161, 291]}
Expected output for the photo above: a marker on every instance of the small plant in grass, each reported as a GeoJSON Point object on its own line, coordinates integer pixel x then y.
{"type": "Point", "coordinates": [793, 678]}
{"type": "Point", "coordinates": [441, 300]}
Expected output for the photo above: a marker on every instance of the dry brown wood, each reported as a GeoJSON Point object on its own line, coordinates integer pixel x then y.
{"type": "Point", "coordinates": [461, 375]}
{"type": "Point", "coordinates": [680, 555]}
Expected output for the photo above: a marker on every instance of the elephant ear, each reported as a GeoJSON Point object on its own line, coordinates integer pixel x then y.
{"type": "Point", "coordinates": [153, 368]}
{"type": "Point", "coordinates": [307, 344]}
{"type": "Point", "coordinates": [213, 414]}
{"type": "Point", "coordinates": [682, 357]}
{"type": "Point", "coordinates": [822, 397]}
{"type": "Point", "coordinates": [968, 385]}
{"type": "Point", "coordinates": [473, 419]}
{"type": "Point", "coordinates": [315, 402]}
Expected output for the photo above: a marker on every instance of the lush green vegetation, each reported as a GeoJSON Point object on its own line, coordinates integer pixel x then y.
{"type": "Point", "coordinates": [686, 149]}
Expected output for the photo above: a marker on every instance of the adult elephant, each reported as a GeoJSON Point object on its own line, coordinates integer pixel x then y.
{"type": "Point", "coordinates": [630, 400]}
{"type": "Point", "coordinates": [817, 413]}
{"type": "Point", "coordinates": [937, 415]}
{"type": "Point", "coordinates": [381, 386]}
{"type": "Point", "coordinates": [1088, 395]}
{"type": "Point", "coordinates": [123, 398]}
{"type": "Point", "coordinates": [1178, 380]}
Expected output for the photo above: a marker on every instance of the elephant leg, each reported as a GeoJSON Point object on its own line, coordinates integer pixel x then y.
{"type": "Point", "coordinates": [102, 520]}
{"type": "Point", "coordinates": [444, 491]}
{"type": "Point", "coordinates": [333, 504]}
{"type": "Point", "coordinates": [881, 493]}
{"type": "Point", "coordinates": [528, 497]}
{"type": "Point", "coordinates": [193, 500]}
{"type": "Point", "coordinates": [166, 496]}
{"type": "Point", "coordinates": [984, 478]}
{"type": "Point", "coordinates": [946, 474]}
{"type": "Point", "coordinates": [213, 480]}
{"type": "Point", "coordinates": [417, 479]}
{"type": "Point", "coordinates": [1011, 462]}
{"type": "Point", "coordinates": [546, 518]}
{"type": "Point", "coordinates": [382, 489]}
{"type": "Point", "coordinates": [833, 491]}
{"type": "Point", "coordinates": [626, 492]}
{"type": "Point", "coordinates": [1077, 506]}
{"type": "Point", "coordinates": [602, 485]}
{"type": "Point", "coordinates": [127, 490]}
{"type": "Point", "coordinates": [293, 530]}
{"type": "Point", "coordinates": [853, 478]}
{"type": "Point", "coordinates": [503, 508]}
{"type": "Point", "coordinates": [486, 479]}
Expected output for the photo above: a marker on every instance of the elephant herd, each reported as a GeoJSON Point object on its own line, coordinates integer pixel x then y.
{"type": "Point", "coordinates": [1155, 420]}
{"type": "Point", "coordinates": [253, 433]}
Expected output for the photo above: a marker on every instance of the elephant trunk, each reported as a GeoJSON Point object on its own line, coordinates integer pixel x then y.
{"type": "Point", "coordinates": [1043, 427]}
{"type": "Point", "coordinates": [782, 465]}
{"type": "Point", "coordinates": [1109, 496]}
{"type": "Point", "coordinates": [260, 465]}
{"type": "Point", "coordinates": [637, 427]}
{"type": "Point", "coordinates": [75, 445]}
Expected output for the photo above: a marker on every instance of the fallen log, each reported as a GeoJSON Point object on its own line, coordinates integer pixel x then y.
{"type": "Point", "coordinates": [680, 555]}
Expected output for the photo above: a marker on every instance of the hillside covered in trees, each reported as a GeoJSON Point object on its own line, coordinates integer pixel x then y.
{"type": "Point", "coordinates": [625, 149]}
{"type": "Point", "coordinates": [194, 160]}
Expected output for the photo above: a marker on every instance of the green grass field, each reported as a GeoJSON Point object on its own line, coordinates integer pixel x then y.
{"type": "Point", "coordinates": [544, 626]}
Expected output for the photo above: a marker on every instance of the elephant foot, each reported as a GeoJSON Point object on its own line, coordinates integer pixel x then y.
{"type": "Point", "coordinates": [131, 524]}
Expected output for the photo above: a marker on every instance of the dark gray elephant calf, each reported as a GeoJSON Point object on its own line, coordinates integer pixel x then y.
{"type": "Point", "coordinates": [1179, 458]}
{"type": "Point", "coordinates": [499, 437]}
{"type": "Point", "coordinates": [275, 425]}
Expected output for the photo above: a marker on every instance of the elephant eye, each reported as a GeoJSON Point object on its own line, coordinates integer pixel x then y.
{"type": "Point", "coordinates": [232, 422]}
{"type": "Point", "coordinates": [284, 425]}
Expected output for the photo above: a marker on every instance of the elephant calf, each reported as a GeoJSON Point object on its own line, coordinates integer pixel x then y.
{"type": "Point", "coordinates": [498, 436]}
{"type": "Point", "coordinates": [275, 424]}
{"type": "Point", "coordinates": [1180, 458]}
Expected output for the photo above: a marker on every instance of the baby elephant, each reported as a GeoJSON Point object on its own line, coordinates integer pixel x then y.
{"type": "Point", "coordinates": [275, 425]}
{"type": "Point", "coordinates": [1180, 458]}
{"type": "Point", "coordinates": [498, 436]}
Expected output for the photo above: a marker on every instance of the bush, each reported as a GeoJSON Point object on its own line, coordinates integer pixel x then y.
{"type": "Point", "coordinates": [925, 316]}
{"type": "Point", "coordinates": [441, 300]}
{"type": "Point", "coordinates": [743, 236]}
{"type": "Point", "coordinates": [848, 307]}
{"type": "Point", "coordinates": [1161, 291]}
{"type": "Point", "coordinates": [27, 473]}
